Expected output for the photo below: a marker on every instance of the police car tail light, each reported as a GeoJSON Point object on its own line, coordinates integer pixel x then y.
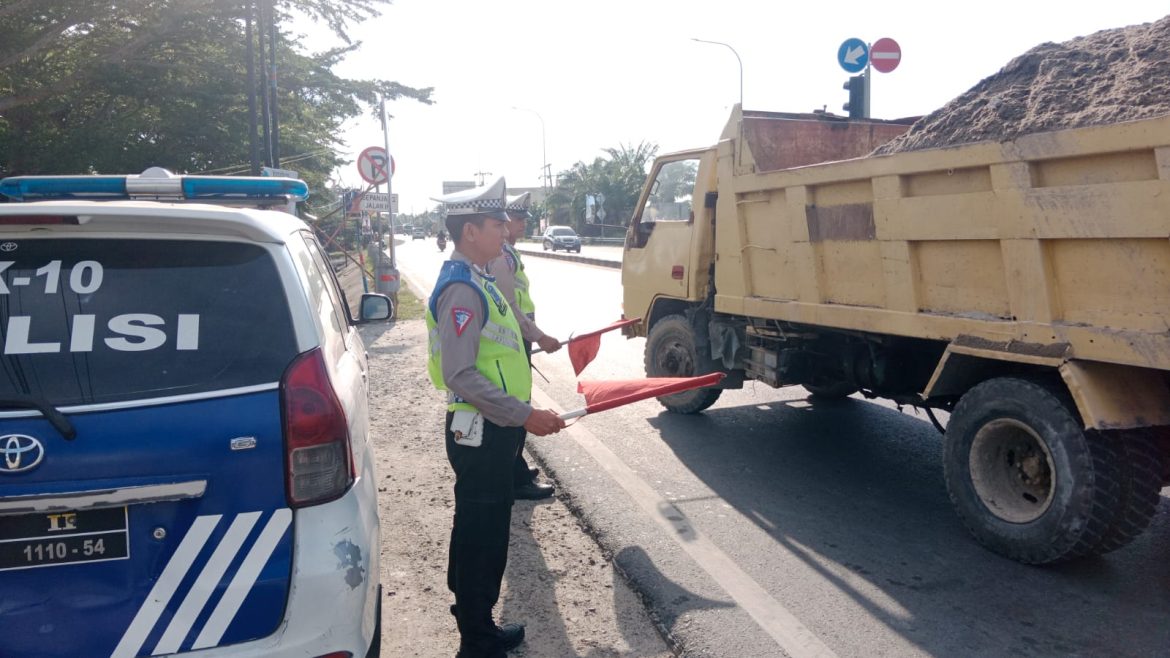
{"type": "Point", "coordinates": [316, 436]}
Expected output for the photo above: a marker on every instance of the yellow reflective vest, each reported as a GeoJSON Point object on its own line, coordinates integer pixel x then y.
{"type": "Point", "coordinates": [501, 356]}
{"type": "Point", "coordinates": [523, 296]}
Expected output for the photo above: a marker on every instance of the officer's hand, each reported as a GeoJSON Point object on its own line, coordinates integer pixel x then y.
{"type": "Point", "coordinates": [543, 422]}
{"type": "Point", "coordinates": [549, 344]}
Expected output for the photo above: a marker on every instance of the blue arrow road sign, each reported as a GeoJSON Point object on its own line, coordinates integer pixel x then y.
{"type": "Point", "coordinates": [853, 55]}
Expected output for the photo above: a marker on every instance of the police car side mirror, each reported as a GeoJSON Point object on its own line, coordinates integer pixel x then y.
{"type": "Point", "coordinates": [375, 307]}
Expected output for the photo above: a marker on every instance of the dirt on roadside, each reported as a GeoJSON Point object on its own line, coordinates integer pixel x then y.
{"type": "Point", "coordinates": [1110, 76]}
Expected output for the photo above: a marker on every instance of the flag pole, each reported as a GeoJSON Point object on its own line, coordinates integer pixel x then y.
{"type": "Point", "coordinates": [617, 325]}
{"type": "Point", "coordinates": [649, 389]}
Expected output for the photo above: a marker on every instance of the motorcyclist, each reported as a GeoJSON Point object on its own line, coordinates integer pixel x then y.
{"type": "Point", "coordinates": [442, 240]}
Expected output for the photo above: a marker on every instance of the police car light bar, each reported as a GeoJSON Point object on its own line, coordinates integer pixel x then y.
{"type": "Point", "coordinates": [154, 183]}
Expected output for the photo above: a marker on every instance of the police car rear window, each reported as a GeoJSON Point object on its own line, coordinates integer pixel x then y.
{"type": "Point", "coordinates": [105, 320]}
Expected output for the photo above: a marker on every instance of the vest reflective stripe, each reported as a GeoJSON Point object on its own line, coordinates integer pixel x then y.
{"type": "Point", "coordinates": [500, 357]}
{"type": "Point", "coordinates": [501, 335]}
{"type": "Point", "coordinates": [523, 297]}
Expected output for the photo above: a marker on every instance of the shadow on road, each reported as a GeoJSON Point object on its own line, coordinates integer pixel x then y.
{"type": "Point", "coordinates": [854, 492]}
{"type": "Point", "coordinates": [551, 597]}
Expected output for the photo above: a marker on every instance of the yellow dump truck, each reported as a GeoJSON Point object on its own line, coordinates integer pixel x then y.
{"type": "Point", "coordinates": [1023, 287]}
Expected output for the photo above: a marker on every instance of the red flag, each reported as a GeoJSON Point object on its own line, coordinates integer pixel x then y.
{"type": "Point", "coordinates": [583, 349]}
{"type": "Point", "coordinates": [602, 395]}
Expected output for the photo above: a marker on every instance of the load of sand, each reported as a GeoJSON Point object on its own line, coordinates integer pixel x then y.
{"type": "Point", "coordinates": [1106, 77]}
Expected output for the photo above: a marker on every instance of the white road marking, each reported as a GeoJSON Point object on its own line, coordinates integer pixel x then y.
{"type": "Point", "coordinates": [771, 616]}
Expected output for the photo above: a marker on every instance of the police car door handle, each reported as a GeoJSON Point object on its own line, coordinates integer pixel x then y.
{"type": "Point", "coordinates": [55, 418]}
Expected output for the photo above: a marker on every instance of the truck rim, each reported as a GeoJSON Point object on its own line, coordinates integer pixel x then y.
{"type": "Point", "coordinates": [1011, 469]}
{"type": "Point", "coordinates": [675, 359]}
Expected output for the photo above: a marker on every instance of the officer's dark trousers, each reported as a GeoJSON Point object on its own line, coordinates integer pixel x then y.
{"type": "Point", "coordinates": [479, 538]}
{"type": "Point", "coordinates": [521, 473]}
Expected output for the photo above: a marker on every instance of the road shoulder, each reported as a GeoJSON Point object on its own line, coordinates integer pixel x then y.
{"type": "Point", "coordinates": [558, 582]}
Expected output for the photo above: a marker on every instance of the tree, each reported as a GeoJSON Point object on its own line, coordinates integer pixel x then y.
{"type": "Point", "coordinates": [619, 177]}
{"type": "Point", "coordinates": [115, 87]}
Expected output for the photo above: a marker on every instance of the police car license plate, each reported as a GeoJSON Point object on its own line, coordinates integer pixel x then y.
{"type": "Point", "coordinates": [46, 540]}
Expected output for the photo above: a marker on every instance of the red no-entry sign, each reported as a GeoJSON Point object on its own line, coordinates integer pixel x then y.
{"type": "Point", "coordinates": [885, 54]}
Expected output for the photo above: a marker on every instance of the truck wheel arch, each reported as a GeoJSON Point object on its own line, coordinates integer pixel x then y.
{"type": "Point", "coordinates": [661, 307]}
{"type": "Point", "coordinates": [1107, 396]}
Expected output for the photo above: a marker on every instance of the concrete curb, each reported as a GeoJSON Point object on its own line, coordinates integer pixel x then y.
{"type": "Point", "coordinates": [576, 258]}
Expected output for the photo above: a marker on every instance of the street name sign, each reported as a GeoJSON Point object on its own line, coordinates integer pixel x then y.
{"type": "Point", "coordinates": [376, 202]}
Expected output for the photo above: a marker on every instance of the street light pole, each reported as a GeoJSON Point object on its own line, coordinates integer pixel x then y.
{"type": "Point", "coordinates": [728, 46]}
{"type": "Point", "coordinates": [545, 174]}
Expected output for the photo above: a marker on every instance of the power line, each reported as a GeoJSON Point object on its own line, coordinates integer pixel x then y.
{"type": "Point", "coordinates": [233, 169]}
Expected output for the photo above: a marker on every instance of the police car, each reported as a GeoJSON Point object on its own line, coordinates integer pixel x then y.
{"type": "Point", "coordinates": [185, 464]}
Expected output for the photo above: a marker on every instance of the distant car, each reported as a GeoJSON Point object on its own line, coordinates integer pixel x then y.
{"type": "Point", "coordinates": [561, 237]}
{"type": "Point", "coordinates": [418, 234]}
{"type": "Point", "coordinates": [178, 477]}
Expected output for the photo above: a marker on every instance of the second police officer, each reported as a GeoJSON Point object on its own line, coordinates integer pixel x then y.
{"type": "Point", "coordinates": [508, 271]}
{"type": "Point", "coordinates": [476, 353]}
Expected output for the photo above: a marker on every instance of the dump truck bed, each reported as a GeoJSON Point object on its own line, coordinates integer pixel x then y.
{"type": "Point", "coordinates": [1055, 244]}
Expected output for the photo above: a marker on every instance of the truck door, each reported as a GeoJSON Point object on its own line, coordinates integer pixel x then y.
{"type": "Point", "coordinates": [658, 253]}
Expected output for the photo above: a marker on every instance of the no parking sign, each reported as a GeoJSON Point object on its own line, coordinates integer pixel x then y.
{"type": "Point", "coordinates": [373, 164]}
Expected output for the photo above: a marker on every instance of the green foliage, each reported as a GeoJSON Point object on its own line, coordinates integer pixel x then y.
{"type": "Point", "coordinates": [115, 87]}
{"type": "Point", "coordinates": [619, 176]}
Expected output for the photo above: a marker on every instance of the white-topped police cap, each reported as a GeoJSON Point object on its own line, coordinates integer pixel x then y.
{"type": "Point", "coordinates": [488, 199]}
{"type": "Point", "coordinates": [518, 204]}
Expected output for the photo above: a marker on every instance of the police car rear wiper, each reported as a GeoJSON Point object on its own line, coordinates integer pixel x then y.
{"type": "Point", "coordinates": [55, 418]}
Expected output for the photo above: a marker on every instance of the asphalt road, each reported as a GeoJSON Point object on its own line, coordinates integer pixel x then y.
{"type": "Point", "coordinates": [771, 525]}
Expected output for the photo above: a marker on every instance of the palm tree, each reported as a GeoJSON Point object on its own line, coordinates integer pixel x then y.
{"type": "Point", "coordinates": [619, 177]}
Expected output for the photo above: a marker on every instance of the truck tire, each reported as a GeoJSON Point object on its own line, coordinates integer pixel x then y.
{"type": "Point", "coordinates": [671, 352]}
{"type": "Point", "coordinates": [1027, 481]}
{"type": "Point", "coordinates": [831, 391]}
{"type": "Point", "coordinates": [1141, 485]}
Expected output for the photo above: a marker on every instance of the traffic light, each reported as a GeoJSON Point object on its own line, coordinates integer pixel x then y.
{"type": "Point", "coordinates": [857, 101]}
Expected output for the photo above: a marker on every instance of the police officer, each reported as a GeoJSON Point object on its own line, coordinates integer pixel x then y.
{"type": "Point", "coordinates": [477, 355]}
{"type": "Point", "coordinates": [508, 271]}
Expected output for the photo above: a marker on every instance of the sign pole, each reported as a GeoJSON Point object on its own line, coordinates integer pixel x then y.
{"type": "Point", "coordinates": [868, 78]}
{"type": "Point", "coordinates": [389, 273]}
{"type": "Point", "coordinates": [389, 189]}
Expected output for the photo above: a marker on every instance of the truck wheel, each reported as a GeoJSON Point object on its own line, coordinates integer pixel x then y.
{"type": "Point", "coordinates": [671, 352]}
{"type": "Point", "coordinates": [1027, 481]}
{"type": "Point", "coordinates": [1141, 485]}
{"type": "Point", "coordinates": [831, 391]}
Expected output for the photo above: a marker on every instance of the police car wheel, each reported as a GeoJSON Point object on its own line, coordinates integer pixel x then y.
{"type": "Point", "coordinates": [376, 644]}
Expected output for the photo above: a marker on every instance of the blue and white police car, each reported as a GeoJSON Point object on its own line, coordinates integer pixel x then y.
{"type": "Point", "coordinates": [185, 466]}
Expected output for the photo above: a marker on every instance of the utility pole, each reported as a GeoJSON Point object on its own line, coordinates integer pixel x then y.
{"type": "Point", "coordinates": [264, 115]}
{"type": "Point", "coordinates": [482, 175]}
{"type": "Point", "coordinates": [272, 80]}
{"type": "Point", "coordinates": [253, 145]}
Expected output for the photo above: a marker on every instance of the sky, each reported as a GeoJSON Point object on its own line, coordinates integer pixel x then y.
{"type": "Point", "coordinates": [519, 81]}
